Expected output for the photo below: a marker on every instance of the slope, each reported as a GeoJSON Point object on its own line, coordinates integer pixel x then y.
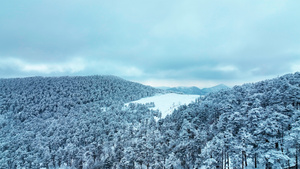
{"type": "Point", "coordinates": [36, 95]}
{"type": "Point", "coordinates": [52, 122]}
{"type": "Point", "coordinates": [253, 125]}
{"type": "Point", "coordinates": [63, 123]}
{"type": "Point", "coordinates": [167, 103]}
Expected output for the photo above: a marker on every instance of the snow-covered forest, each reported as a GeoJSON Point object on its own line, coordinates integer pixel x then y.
{"type": "Point", "coordinates": [83, 122]}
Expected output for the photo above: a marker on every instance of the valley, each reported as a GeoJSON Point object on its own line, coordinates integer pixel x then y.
{"type": "Point", "coordinates": [108, 122]}
{"type": "Point", "coordinates": [167, 103]}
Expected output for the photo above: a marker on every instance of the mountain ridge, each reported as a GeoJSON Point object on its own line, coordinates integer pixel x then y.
{"type": "Point", "coordinates": [195, 90]}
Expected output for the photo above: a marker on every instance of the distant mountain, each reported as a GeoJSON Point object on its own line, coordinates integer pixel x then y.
{"type": "Point", "coordinates": [196, 90]}
{"type": "Point", "coordinates": [163, 87]}
{"type": "Point", "coordinates": [186, 90]}
{"type": "Point", "coordinates": [214, 89]}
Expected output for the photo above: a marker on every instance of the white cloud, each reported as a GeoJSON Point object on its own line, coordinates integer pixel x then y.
{"type": "Point", "coordinates": [295, 67]}
{"type": "Point", "coordinates": [38, 68]}
{"type": "Point", "coordinates": [227, 68]}
{"type": "Point", "coordinates": [181, 40]}
{"type": "Point", "coordinates": [72, 66]}
{"type": "Point", "coordinates": [114, 67]}
{"type": "Point", "coordinates": [131, 72]}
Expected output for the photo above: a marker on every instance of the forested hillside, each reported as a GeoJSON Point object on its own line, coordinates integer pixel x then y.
{"type": "Point", "coordinates": [52, 122]}
{"type": "Point", "coordinates": [253, 125]}
{"type": "Point", "coordinates": [81, 122]}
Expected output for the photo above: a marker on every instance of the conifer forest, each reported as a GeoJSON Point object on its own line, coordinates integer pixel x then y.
{"type": "Point", "coordinates": [84, 122]}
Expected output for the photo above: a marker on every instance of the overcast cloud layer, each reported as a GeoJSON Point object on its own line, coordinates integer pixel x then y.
{"type": "Point", "coordinates": [161, 43]}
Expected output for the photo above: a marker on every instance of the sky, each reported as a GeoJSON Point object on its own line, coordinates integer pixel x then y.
{"type": "Point", "coordinates": [158, 43]}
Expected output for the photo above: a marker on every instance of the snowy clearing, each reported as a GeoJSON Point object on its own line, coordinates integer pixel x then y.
{"type": "Point", "coordinates": [167, 103]}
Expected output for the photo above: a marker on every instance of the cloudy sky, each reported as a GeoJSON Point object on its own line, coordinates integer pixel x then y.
{"type": "Point", "coordinates": [161, 43]}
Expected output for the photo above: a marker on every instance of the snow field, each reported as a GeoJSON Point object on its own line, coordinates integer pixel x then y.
{"type": "Point", "coordinates": [167, 103]}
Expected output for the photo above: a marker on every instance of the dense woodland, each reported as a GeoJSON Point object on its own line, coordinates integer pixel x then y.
{"type": "Point", "coordinates": [81, 122]}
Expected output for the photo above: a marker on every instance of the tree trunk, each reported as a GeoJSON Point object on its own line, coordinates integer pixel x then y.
{"type": "Point", "coordinates": [245, 159]}
{"type": "Point", "coordinates": [255, 161]}
{"type": "Point", "coordinates": [242, 159]}
{"type": "Point", "coordinates": [296, 159]}
{"type": "Point", "coordinates": [222, 158]}
{"type": "Point", "coordinates": [228, 159]}
{"type": "Point", "coordinates": [267, 163]}
{"type": "Point", "coordinates": [282, 135]}
{"type": "Point", "coordinates": [53, 160]}
{"type": "Point", "coordinates": [225, 160]}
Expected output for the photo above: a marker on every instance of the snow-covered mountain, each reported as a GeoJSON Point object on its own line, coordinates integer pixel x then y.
{"type": "Point", "coordinates": [217, 88]}
{"type": "Point", "coordinates": [196, 90]}
{"type": "Point", "coordinates": [249, 126]}
{"type": "Point", "coordinates": [65, 122]}
{"type": "Point", "coordinates": [82, 122]}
